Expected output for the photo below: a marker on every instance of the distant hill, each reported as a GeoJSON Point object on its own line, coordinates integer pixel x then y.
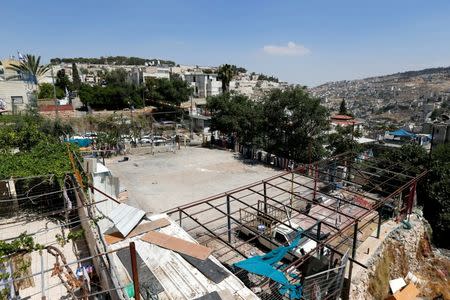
{"type": "Point", "coordinates": [411, 95]}
{"type": "Point", "coordinates": [113, 60]}
{"type": "Point", "coordinates": [421, 72]}
{"type": "Point", "coordinates": [444, 71]}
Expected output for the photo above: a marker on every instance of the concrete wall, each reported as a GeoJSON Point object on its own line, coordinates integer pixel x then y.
{"type": "Point", "coordinates": [441, 134]}
{"type": "Point", "coordinates": [16, 88]}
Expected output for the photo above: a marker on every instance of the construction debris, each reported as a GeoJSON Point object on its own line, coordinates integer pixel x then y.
{"type": "Point", "coordinates": [397, 284]}
{"type": "Point", "coordinates": [177, 244]}
{"type": "Point", "coordinates": [410, 292]}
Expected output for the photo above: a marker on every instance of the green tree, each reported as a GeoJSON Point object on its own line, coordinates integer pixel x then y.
{"type": "Point", "coordinates": [343, 140]}
{"type": "Point", "coordinates": [436, 202]}
{"type": "Point", "coordinates": [432, 191]}
{"type": "Point", "coordinates": [63, 81]}
{"type": "Point", "coordinates": [268, 78]}
{"type": "Point", "coordinates": [173, 91]}
{"type": "Point", "coordinates": [45, 91]}
{"type": "Point", "coordinates": [226, 73]}
{"type": "Point", "coordinates": [29, 68]}
{"type": "Point", "coordinates": [75, 77]}
{"type": "Point", "coordinates": [116, 77]}
{"type": "Point", "coordinates": [294, 124]}
{"type": "Point", "coordinates": [236, 115]}
{"type": "Point", "coordinates": [343, 108]}
{"type": "Point", "coordinates": [286, 123]}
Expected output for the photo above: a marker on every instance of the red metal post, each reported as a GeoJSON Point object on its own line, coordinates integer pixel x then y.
{"type": "Point", "coordinates": [412, 193]}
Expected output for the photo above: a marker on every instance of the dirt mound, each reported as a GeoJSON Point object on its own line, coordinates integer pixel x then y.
{"type": "Point", "coordinates": [407, 251]}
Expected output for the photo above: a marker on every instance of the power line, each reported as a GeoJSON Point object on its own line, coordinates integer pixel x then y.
{"type": "Point", "coordinates": [12, 280]}
{"type": "Point", "coordinates": [31, 198]}
{"type": "Point", "coordinates": [57, 212]}
{"type": "Point", "coordinates": [65, 224]}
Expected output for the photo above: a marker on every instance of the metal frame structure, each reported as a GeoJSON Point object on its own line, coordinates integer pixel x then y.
{"type": "Point", "coordinates": [354, 199]}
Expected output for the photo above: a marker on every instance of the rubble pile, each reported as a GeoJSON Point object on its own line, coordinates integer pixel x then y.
{"type": "Point", "coordinates": [405, 253]}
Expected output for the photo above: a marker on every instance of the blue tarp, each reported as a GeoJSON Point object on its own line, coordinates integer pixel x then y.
{"type": "Point", "coordinates": [80, 142]}
{"type": "Point", "coordinates": [266, 265]}
{"type": "Point", "coordinates": [402, 133]}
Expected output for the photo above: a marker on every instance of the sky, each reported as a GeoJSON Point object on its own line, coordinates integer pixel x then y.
{"type": "Point", "coordinates": [304, 42]}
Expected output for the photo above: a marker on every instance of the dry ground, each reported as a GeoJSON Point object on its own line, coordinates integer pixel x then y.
{"type": "Point", "coordinates": [167, 180]}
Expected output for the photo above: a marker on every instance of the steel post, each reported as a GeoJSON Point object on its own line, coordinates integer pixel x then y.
{"type": "Point", "coordinates": [228, 218]}
{"type": "Point", "coordinates": [134, 270]}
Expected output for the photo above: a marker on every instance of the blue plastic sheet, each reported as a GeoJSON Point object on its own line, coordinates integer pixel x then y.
{"type": "Point", "coordinates": [266, 265]}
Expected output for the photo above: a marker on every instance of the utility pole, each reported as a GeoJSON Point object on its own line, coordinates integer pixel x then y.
{"type": "Point", "coordinates": [192, 120]}
{"type": "Point", "coordinates": [54, 94]}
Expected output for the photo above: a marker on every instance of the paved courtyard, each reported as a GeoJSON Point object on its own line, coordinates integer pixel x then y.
{"type": "Point", "coordinates": [156, 183]}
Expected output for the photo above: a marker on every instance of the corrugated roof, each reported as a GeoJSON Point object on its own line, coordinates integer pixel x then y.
{"type": "Point", "coordinates": [125, 218]}
{"type": "Point", "coordinates": [342, 117]}
{"type": "Point", "coordinates": [180, 279]}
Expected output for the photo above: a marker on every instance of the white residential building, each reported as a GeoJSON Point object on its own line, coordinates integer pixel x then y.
{"type": "Point", "coordinates": [16, 94]}
{"type": "Point", "coordinates": [204, 85]}
{"type": "Point", "coordinates": [139, 74]}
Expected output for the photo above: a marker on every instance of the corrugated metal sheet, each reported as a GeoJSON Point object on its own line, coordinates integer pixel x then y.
{"type": "Point", "coordinates": [125, 218]}
{"type": "Point", "coordinates": [101, 168]}
{"type": "Point", "coordinates": [179, 278]}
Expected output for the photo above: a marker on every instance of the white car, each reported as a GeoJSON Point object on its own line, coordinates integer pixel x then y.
{"type": "Point", "coordinates": [159, 140]}
{"type": "Point", "coordinates": [146, 139]}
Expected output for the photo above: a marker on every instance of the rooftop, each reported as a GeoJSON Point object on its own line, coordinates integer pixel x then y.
{"type": "Point", "coordinates": [172, 275]}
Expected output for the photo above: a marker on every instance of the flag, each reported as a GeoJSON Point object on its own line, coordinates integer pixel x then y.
{"type": "Point", "coordinates": [20, 56]}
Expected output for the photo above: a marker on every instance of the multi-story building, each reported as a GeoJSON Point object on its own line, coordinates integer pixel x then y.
{"type": "Point", "coordinates": [204, 85]}
{"type": "Point", "coordinates": [139, 74]}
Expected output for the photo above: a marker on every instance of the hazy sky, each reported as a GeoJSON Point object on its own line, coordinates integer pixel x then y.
{"type": "Point", "coordinates": [306, 42]}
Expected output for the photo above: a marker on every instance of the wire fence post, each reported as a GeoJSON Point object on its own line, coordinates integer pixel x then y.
{"type": "Point", "coordinates": [379, 224]}
{"type": "Point", "coordinates": [316, 172]}
{"type": "Point", "coordinates": [318, 234]}
{"type": "Point", "coordinates": [134, 270]}
{"type": "Point", "coordinates": [354, 247]}
{"type": "Point", "coordinates": [43, 297]}
{"type": "Point", "coordinates": [265, 197]}
{"type": "Point", "coordinates": [228, 218]}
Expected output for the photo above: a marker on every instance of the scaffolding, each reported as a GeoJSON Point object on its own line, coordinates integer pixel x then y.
{"type": "Point", "coordinates": [337, 203]}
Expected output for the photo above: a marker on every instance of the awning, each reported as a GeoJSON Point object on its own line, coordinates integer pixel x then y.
{"type": "Point", "coordinates": [402, 133]}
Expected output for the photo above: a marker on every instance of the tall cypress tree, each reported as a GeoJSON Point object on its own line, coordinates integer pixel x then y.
{"type": "Point", "coordinates": [343, 108]}
{"type": "Point", "coordinates": [75, 77]}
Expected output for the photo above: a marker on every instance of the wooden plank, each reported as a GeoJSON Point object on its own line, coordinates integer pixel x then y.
{"type": "Point", "coordinates": [177, 244]}
{"type": "Point", "coordinates": [409, 292]}
{"type": "Point", "coordinates": [146, 227]}
{"type": "Point", "coordinates": [115, 237]}
{"type": "Point", "coordinates": [112, 238]}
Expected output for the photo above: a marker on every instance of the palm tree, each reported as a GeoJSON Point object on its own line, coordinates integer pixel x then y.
{"type": "Point", "coordinates": [226, 74]}
{"type": "Point", "coordinates": [1, 68]}
{"type": "Point", "coordinates": [30, 68]}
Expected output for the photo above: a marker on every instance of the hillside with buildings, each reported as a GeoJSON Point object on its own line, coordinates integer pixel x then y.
{"type": "Point", "coordinates": [407, 97]}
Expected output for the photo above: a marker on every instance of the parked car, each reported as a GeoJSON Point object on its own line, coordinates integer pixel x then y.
{"type": "Point", "coordinates": [146, 139]}
{"type": "Point", "coordinates": [159, 140]}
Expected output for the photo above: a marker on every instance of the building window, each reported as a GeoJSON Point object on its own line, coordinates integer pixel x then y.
{"type": "Point", "coordinates": [17, 99]}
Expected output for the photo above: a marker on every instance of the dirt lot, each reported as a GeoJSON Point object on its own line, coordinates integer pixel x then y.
{"type": "Point", "coordinates": [166, 180]}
